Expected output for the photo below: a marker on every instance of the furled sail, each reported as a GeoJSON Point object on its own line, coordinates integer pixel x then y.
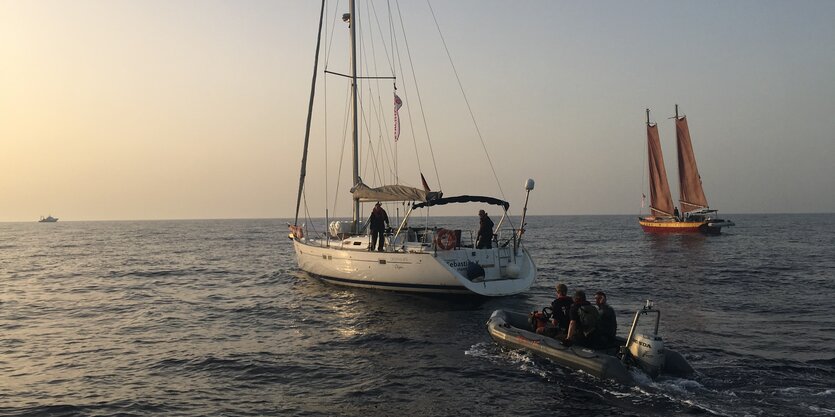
{"type": "Point", "coordinates": [661, 202]}
{"type": "Point", "coordinates": [692, 196]}
{"type": "Point", "coordinates": [365, 193]}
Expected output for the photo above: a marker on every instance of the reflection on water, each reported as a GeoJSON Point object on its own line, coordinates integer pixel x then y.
{"type": "Point", "coordinates": [213, 318]}
{"type": "Point", "coordinates": [691, 243]}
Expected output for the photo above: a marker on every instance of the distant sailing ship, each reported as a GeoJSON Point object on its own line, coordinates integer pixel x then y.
{"type": "Point", "coordinates": [695, 214]}
{"type": "Point", "coordinates": [48, 219]}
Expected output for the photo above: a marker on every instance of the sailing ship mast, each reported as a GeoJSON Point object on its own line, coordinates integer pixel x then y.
{"type": "Point", "coordinates": [661, 201]}
{"type": "Point", "coordinates": [691, 194]}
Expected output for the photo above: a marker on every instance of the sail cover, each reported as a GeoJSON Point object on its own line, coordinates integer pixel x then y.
{"type": "Point", "coordinates": [365, 193]}
{"type": "Point", "coordinates": [692, 196]}
{"type": "Point", "coordinates": [463, 199]}
{"type": "Point", "coordinates": [661, 202]}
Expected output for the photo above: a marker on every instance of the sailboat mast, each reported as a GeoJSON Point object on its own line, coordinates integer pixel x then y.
{"type": "Point", "coordinates": [356, 211]}
{"type": "Point", "coordinates": [309, 115]}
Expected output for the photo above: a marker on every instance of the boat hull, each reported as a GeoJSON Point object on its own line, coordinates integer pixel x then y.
{"type": "Point", "coordinates": [442, 272]}
{"type": "Point", "coordinates": [510, 329]}
{"type": "Point", "coordinates": [710, 227]}
{"type": "Point", "coordinates": [506, 330]}
{"type": "Point", "coordinates": [652, 226]}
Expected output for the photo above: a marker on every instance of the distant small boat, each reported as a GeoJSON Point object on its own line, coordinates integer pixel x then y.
{"type": "Point", "coordinates": [695, 215]}
{"type": "Point", "coordinates": [48, 219]}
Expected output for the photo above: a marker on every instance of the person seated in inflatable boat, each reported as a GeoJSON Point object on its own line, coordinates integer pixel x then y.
{"type": "Point", "coordinates": [555, 322]}
{"type": "Point", "coordinates": [583, 325]}
{"type": "Point", "coordinates": [608, 326]}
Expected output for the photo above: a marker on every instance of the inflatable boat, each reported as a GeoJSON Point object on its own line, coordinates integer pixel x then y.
{"type": "Point", "coordinates": [644, 351]}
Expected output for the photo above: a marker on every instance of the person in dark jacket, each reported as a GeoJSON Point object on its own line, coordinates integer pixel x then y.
{"type": "Point", "coordinates": [608, 326]}
{"type": "Point", "coordinates": [485, 231]}
{"type": "Point", "coordinates": [559, 310]}
{"type": "Point", "coordinates": [561, 306]}
{"type": "Point", "coordinates": [577, 333]}
{"type": "Point", "coordinates": [377, 222]}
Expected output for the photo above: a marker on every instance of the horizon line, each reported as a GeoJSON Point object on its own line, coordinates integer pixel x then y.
{"type": "Point", "coordinates": [346, 217]}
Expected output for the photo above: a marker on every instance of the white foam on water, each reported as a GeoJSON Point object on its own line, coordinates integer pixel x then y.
{"type": "Point", "coordinates": [495, 354]}
{"type": "Point", "coordinates": [819, 409]}
{"type": "Point", "coordinates": [790, 390]}
{"type": "Point", "coordinates": [681, 385]}
{"type": "Point", "coordinates": [480, 350]}
{"type": "Point", "coordinates": [672, 389]}
{"type": "Point", "coordinates": [526, 363]}
{"type": "Point", "coordinates": [825, 392]}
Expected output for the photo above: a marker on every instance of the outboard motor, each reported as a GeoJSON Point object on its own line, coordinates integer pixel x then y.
{"type": "Point", "coordinates": [646, 351]}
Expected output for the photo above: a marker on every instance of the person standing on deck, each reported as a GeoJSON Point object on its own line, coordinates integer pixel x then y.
{"type": "Point", "coordinates": [485, 231]}
{"type": "Point", "coordinates": [377, 222]}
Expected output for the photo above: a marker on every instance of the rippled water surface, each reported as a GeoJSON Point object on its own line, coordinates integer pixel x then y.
{"type": "Point", "coordinates": [198, 318]}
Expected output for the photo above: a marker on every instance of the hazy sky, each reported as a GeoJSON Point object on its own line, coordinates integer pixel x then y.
{"type": "Point", "coordinates": [196, 109]}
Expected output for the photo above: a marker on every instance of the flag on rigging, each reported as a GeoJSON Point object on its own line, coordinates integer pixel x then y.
{"type": "Point", "coordinates": [397, 104]}
{"type": "Point", "coordinates": [425, 185]}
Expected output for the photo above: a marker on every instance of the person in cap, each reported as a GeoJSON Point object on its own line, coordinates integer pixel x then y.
{"type": "Point", "coordinates": [485, 231]}
{"type": "Point", "coordinates": [608, 326]}
{"type": "Point", "coordinates": [378, 222]}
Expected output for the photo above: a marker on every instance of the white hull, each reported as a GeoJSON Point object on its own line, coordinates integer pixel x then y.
{"type": "Point", "coordinates": [418, 268]}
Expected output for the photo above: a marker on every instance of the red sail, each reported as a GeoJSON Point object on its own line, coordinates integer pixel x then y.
{"type": "Point", "coordinates": [692, 196]}
{"type": "Point", "coordinates": [661, 202]}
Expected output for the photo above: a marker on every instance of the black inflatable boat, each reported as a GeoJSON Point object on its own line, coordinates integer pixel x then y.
{"type": "Point", "coordinates": [645, 351]}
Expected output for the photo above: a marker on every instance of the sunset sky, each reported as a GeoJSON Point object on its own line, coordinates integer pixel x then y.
{"type": "Point", "coordinates": [119, 110]}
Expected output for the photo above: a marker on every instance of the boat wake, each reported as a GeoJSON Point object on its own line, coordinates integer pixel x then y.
{"type": "Point", "coordinates": [524, 360]}
{"type": "Point", "coordinates": [663, 394]}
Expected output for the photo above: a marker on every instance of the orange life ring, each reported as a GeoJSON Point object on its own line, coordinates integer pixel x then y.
{"type": "Point", "coordinates": [445, 239]}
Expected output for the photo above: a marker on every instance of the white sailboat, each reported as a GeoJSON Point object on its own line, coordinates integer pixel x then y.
{"type": "Point", "coordinates": [424, 258]}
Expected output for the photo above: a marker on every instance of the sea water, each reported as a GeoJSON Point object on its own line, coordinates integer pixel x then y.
{"type": "Point", "coordinates": [212, 317]}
